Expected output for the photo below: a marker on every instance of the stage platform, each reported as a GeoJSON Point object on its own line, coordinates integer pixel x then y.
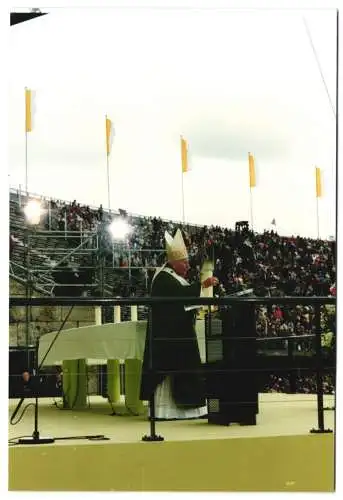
{"type": "Point", "coordinates": [278, 454]}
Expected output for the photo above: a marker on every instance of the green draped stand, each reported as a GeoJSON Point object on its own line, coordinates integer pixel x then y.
{"type": "Point", "coordinates": [113, 380]}
{"type": "Point", "coordinates": [75, 384]}
{"type": "Point", "coordinates": [133, 373]}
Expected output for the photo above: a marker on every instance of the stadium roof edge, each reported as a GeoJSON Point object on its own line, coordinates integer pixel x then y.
{"type": "Point", "coordinates": [21, 17]}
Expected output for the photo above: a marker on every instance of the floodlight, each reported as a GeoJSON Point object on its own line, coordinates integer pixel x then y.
{"type": "Point", "coordinates": [119, 229]}
{"type": "Point", "coordinates": [33, 212]}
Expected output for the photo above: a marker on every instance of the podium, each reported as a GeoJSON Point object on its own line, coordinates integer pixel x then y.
{"type": "Point", "coordinates": [231, 366]}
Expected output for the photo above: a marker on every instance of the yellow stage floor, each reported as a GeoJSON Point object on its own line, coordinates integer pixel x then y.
{"type": "Point", "coordinates": [278, 454]}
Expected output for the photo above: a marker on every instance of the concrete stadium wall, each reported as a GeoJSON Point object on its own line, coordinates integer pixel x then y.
{"type": "Point", "coordinates": [43, 319]}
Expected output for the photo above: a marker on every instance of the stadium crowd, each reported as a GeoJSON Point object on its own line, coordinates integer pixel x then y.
{"type": "Point", "coordinates": [287, 265]}
{"type": "Point", "coordinates": [268, 263]}
{"type": "Point", "coordinates": [305, 384]}
{"type": "Point", "coordinates": [271, 264]}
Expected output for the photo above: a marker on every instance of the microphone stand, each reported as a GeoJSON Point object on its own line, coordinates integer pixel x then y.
{"type": "Point", "coordinates": [36, 439]}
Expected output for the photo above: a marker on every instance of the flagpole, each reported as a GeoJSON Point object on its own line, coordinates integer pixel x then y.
{"type": "Point", "coordinates": [183, 198]}
{"type": "Point", "coordinates": [184, 168]}
{"type": "Point", "coordinates": [108, 146]}
{"type": "Point", "coordinates": [108, 182]}
{"type": "Point", "coordinates": [26, 166]}
{"type": "Point", "coordinates": [336, 114]}
{"type": "Point", "coordinates": [251, 210]}
{"type": "Point", "coordinates": [317, 219]}
{"type": "Point", "coordinates": [252, 183]}
{"type": "Point", "coordinates": [28, 125]}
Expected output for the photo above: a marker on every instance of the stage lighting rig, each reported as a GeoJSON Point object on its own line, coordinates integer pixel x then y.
{"type": "Point", "coordinates": [119, 229]}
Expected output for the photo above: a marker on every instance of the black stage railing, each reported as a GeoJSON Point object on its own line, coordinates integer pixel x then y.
{"type": "Point", "coordinates": [148, 301]}
{"type": "Point", "coordinates": [221, 303]}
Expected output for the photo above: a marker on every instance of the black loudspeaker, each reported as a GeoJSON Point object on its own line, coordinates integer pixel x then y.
{"type": "Point", "coordinates": [20, 360]}
{"type": "Point", "coordinates": [23, 360]}
{"type": "Point", "coordinates": [231, 366]}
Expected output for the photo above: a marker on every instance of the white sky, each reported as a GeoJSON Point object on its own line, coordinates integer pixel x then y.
{"type": "Point", "coordinates": [230, 82]}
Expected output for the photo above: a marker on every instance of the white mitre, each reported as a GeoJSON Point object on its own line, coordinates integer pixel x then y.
{"type": "Point", "coordinates": [175, 247]}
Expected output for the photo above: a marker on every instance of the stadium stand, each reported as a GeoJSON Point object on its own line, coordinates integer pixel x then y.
{"type": "Point", "coordinates": [72, 253]}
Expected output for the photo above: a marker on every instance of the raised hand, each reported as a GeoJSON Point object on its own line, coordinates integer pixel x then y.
{"type": "Point", "coordinates": [212, 281]}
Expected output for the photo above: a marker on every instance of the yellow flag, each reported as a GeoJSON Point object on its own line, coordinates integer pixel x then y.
{"type": "Point", "coordinates": [109, 135]}
{"type": "Point", "coordinates": [318, 183]}
{"type": "Point", "coordinates": [184, 155]}
{"type": "Point", "coordinates": [28, 110]}
{"type": "Point", "coordinates": [252, 176]}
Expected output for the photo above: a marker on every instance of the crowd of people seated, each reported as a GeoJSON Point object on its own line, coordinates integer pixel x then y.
{"type": "Point", "coordinates": [289, 265]}
{"type": "Point", "coordinates": [267, 262]}
{"type": "Point", "coordinates": [305, 384]}
{"type": "Point", "coordinates": [60, 216]}
{"type": "Point", "coordinates": [271, 264]}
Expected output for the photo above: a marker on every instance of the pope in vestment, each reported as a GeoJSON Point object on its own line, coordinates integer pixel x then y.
{"type": "Point", "coordinates": [171, 371]}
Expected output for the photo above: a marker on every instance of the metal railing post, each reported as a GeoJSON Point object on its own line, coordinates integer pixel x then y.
{"type": "Point", "coordinates": [234, 302]}
{"type": "Point", "coordinates": [319, 374]}
{"type": "Point", "coordinates": [152, 436]}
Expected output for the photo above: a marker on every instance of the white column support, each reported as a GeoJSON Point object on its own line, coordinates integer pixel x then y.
{"type": "Point", "coordinates": [117, 314]}
{"type": "Point", "coordinates": [134, 313]}
{"type": "Point", "coordinates": [98, 315]}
